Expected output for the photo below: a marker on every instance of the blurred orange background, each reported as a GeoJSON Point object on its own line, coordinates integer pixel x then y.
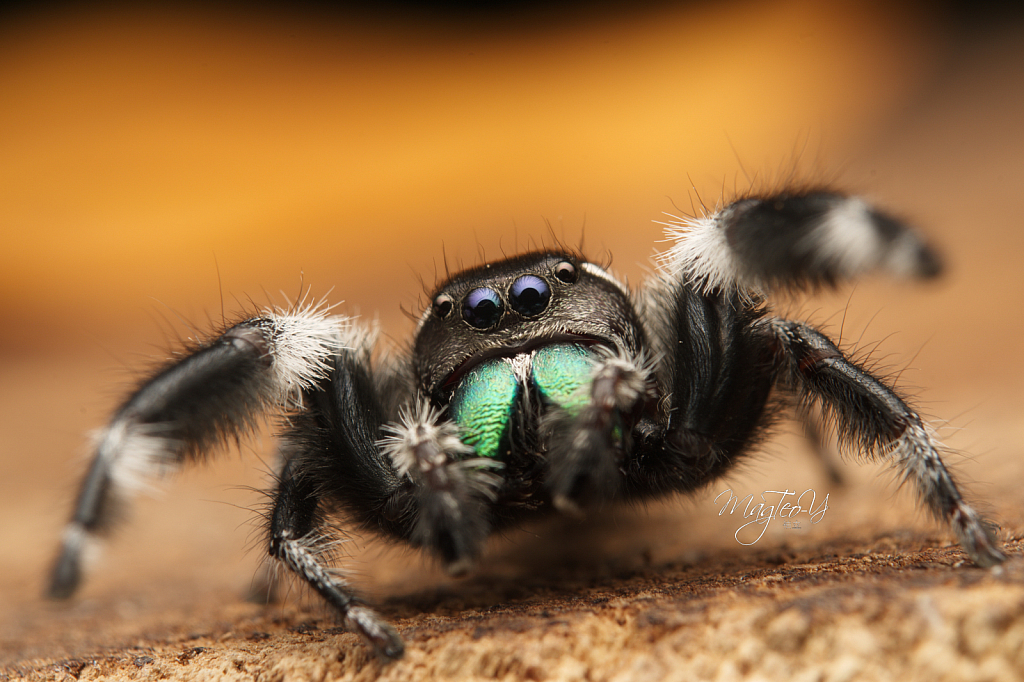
{"type": "Point", "coordinates": [158, 164]}
{"type": "Point", "coordinates": [144, 149]}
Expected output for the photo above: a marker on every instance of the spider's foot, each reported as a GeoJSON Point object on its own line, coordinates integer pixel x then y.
{"type": "Point", "coordinates": [384, 639]}
{"type": "Point", "coordinates": [65, 578]}
{"type": "Point", "coordinates": [976, 536]}
{"type": "Point", "coordinates": [568, 507]}
{"type": "Point", "coordinates": [460, 567]}
{"type": "Point", "coordinates": [67, 570]}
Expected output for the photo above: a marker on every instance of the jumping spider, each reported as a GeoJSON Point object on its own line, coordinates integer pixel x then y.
{"type": "Point", "coordinates": [534, 383]}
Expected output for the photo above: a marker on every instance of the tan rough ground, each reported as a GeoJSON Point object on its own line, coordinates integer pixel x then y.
{"type": "Point", "coordinates": [840, 610]}
{"type": "Point", "coordinates": [921, 113]}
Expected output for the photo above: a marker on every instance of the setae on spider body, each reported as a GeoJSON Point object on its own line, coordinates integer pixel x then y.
{"type": "Point", "coordinates": [538, 382]}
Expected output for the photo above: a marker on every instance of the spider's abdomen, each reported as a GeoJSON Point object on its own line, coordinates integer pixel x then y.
{"type": "Point", "coordinates": [484, 400]}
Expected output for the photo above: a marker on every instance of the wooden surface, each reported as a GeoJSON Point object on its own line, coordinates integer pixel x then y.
{"type": "Point", "coordinates": [157, 166]}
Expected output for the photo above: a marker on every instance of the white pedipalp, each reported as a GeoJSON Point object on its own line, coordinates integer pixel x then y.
{"type": "Point", "coordinates": [421, 423]}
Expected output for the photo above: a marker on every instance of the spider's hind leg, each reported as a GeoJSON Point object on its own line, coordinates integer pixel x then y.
{"type": "Point", "coordinates": [872, 417]}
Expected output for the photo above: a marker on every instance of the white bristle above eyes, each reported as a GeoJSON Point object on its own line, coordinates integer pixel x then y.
{"type": "Point", "coordinates": [601, 273]}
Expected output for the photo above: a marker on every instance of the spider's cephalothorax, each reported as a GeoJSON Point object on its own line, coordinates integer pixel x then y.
{"type": "Point", "coordinates": [515, 351]}
{"type": "Point", "coordinates": [538, 382]}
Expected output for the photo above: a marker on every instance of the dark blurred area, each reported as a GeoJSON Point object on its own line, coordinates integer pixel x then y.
{"type": "Point", "coordinates": [494, 14]}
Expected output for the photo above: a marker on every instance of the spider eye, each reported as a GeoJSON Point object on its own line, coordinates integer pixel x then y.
{"type": "Point", "coordinates": [443, 306]}
{"type": "Point", "coordinates": [482, 308]}
{"type": "Point", "coordinates": [566, 272]}
{"type": "Point", "coordinates": [529, 295]}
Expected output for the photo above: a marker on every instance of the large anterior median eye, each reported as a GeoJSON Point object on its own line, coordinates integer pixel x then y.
{"type": "Point", "coordinates": [482, 308]}
{"type": "Point", "coordinates": [529, 295]}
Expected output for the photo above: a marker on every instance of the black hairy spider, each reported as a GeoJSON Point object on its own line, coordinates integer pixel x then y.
{"type": "Point", "coordinates": [538, 382]}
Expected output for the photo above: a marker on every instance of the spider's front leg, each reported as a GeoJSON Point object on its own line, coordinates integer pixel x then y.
{"type": "Point", "coordinates": [871, 416]}
{"type": "Point", "coordinates": [218, 392]}
{"type": "Point", "coordinates": [332, 461]}
{"type": "Point", "coordinates": [709, 294]}
{"type": "Point", "coordinates": [414, 484]}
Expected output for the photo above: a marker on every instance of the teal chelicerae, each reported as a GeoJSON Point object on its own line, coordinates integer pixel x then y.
{"type": "Point", "coordinates": [485, 398]}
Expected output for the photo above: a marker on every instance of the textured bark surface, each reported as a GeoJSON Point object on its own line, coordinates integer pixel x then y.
{"type": "Point", "coordinates": [838, 610]}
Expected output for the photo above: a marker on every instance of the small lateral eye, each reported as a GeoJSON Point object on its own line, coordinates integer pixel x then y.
{"type": "Point", "coordinates": [443, 306]}
{"type": "Point", "coordinates": [482, 308]}
{"type": "Point", "coordinates": [566, 272]}
{"type": "Point", "coordinates": [529, 295]}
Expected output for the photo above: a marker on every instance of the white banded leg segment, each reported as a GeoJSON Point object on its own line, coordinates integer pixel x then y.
{"type": "Point", "coordinates": [870, 416]}
{"type": "Point", "coordinates": [790, 239]}
{"type": "Point", "coordinates": [303, 556]}
{"type": "Point", "coordinates": [916, 456]}
{"type": "Point", "coordinates": [452, 486]}
{"type": "Point", "coordinates": [219, 391]}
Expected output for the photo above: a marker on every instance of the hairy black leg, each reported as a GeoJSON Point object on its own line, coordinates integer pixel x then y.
{"type": "Point", "coordinates": [586, 446]}
{"type": "Point", "coordinates": [217, 392]}
{"type": "Point", "coordinates": [871, 416]}
{"type": "Point", "coordinates": [717, 375]}
{"type": "Point", "coordinates": [301, 541]}
{"type": "Point", "coordinates": [265, 586]}
{"type": "Point", "coordinates": [333, 462]}
{"type": "Point", "coordinates": [336, 440]}
{"type": "Point", "coordinates": [793, 238]}
{"type": "Point", "coordinates": [452, 487]}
